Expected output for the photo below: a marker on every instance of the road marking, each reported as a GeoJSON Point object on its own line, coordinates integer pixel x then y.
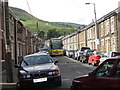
{"type": "Point", "coordinates": [65, 79]}
{"type": "Point", "coordinates": [78, 72]}
{"type": "Point", "coordinates": [8, 83]}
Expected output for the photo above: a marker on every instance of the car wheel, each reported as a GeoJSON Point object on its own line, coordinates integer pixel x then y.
{"type": "Point", "coordinates": [93, 64]}
{"type": "Point", "coordinates": [89, 63]}
{"type": "Point", "coordinates": [83, 61]}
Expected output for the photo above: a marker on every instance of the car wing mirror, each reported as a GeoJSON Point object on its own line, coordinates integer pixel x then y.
{"type": "Point", "coordinates": [56, 61]}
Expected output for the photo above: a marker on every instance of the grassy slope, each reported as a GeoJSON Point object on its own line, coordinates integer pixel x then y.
{"type": "Point", "coordinates": [31, 23]}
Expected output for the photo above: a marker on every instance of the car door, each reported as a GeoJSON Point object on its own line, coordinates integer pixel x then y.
{"type": "Point", "coordinates": [102, 74]}
{"type": "Point", "coordinates": [114, 81]}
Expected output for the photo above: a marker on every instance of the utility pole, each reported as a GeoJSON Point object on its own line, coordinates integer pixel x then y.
{"type": "Point", "coordinates": [96, 26]}
{"type": "Point", "coordinates": [15, 41]}
{"type": "Point", "coordinates": [8, 59]}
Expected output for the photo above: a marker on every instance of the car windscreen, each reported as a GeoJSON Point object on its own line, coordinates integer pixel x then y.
{"type": "Point", "coordinates": [90, 53]}
{"type": "Point", "coordinates": [36, 60]}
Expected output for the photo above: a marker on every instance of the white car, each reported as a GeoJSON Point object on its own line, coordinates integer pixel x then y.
{"type": "Point", "coordinates": [108, 55]}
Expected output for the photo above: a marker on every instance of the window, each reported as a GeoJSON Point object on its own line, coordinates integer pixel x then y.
{"type": "Point", "coordinates": [117, 71]}
{"type": "Point", "coordinates": [112, 25]}
{"type": "Point", "coordinates": [104, 70]}
{"type": "Point", "coordinates": [107, 27]}
{"type": "Point", "coordinates": [36, 60]}
{"type": "Point", "coordinates": [113, 43]}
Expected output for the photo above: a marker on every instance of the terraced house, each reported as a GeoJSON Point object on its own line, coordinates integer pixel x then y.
{"type": "Point", "coordinates": [22, 41]}
{"type": "Point", "coordinates": [109, 34]}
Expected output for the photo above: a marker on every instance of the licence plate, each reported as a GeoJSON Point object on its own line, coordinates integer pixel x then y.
{"type": "Point", "coordinates": [39, 80]}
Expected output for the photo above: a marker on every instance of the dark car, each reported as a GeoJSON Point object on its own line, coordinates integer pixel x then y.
{"type": "Point", "coordinates": [80, 52]}
{"type": "Point", "coordinates": [85, 55]}
{"type": "Point", "coordinates": [106, 75]}
{"type": "Point", "coordinates": [38, 69]}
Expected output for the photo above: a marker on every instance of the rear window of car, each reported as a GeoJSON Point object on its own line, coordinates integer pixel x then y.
{"type": "Point", "coordinates": [101, 53]}
{"type": "Point", "coordinates": [36, 60]}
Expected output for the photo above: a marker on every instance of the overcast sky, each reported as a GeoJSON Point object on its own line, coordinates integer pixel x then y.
{"type": "Point", "coordinates": [74, 11]}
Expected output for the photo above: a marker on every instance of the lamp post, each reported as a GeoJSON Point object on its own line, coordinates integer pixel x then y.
{"type": "Point", "coordinates": [96, 25]}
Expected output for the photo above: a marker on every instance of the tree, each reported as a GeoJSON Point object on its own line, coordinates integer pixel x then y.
{"type": "Point", "coordinates": [41, 34]}
{"type": "Point", "coordinates": [52, 33]}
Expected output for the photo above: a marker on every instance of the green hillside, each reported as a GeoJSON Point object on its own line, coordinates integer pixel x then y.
{"type": "Point", "coordinates": [34, 24]}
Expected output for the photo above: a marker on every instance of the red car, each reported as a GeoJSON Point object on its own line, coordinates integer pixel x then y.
{"type": "Point", "coordinates": [106, 75]}
{"type": "Point", "coordinates": [95, 59]}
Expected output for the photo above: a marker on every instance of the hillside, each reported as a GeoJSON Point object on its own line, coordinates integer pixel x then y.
{"type": "Point", "coordinates": [34, 24]}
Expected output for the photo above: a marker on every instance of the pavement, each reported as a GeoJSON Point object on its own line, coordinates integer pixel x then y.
{"type": "Point", "coordinates": [4, 85]}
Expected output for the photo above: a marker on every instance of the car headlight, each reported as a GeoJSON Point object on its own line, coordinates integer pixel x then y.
{"type": "Point", "coordinates": [53, 72]}
{"type": "Point", "coordinates": [26, 76]}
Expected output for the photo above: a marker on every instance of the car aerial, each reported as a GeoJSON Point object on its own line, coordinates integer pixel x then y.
{"type": "Point", "coordinates": [109, 55]}
{"type": "Point", "coordinates": [80, 52]}
{"type": "Point", "coordinates": [86, 55]}
{"type": "Point", "coordinates": [38, 69]}
{"type": "Point", "coordinates": [106, 75]}
{"type": "Point", "coordinates": [95, 59]}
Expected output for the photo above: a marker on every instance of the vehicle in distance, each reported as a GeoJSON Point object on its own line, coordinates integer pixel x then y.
{"type": "Point", "coordinates": [44, 50]}
{"type": "Point", "coordinates": [75, 55]}
{"type": "Point", "coordinates": [105, 76]}
{"type": "Point", "coordinates": [55, 45]}
{"type": "Point", "coordinates": [109, 55]}
{"type": "Point", "coordinates": [80, 52]}
{"type": "Point", "coordinates": [86, 55]}
{"type": "Point", "coordinates": [38, 69]}
{"type": "Point", "coordinates": [70, 53]}
{"type": "Point", "coordinates": [95, 59]}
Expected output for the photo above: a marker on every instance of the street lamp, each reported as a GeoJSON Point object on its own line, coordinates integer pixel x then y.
{"type": "Point", "coordinates": [96, 25]}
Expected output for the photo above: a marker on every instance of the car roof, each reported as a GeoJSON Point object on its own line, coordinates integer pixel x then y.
{"type": "Point", "coordinates": [116, 57]}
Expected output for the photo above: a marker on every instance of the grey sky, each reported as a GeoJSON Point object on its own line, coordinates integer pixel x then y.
{"type": "Point", "coordinates": [75, 11]}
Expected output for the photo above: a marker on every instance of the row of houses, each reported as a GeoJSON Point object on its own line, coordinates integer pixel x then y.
{"type": "Point", "coordinates": [21, 38]}
{"type": "Point", "coordinates": [107, 38]}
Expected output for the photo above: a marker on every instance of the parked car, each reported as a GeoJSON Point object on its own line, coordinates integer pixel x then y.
{"type": "Point", "coordinates": [80, 52]}
{"type": "Point", "coordinates": [109, 55]}
{"type": "Point", "coordinates": [95, 59]}
{"type": "Point", "coordinates": [44, 50]}
{"type": "Point", "coordinates": [69, 53]}
{"type": "Point", "coordinates": [64, 52]}
{"type": "Point", "coordinates": [86, 55]}
{"type": "Point", "coordinates": [74, 56]}
{"type": "Point", "coordinates": [106, 75]}
{"type": "Point", "coordinates": [38, 69]}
